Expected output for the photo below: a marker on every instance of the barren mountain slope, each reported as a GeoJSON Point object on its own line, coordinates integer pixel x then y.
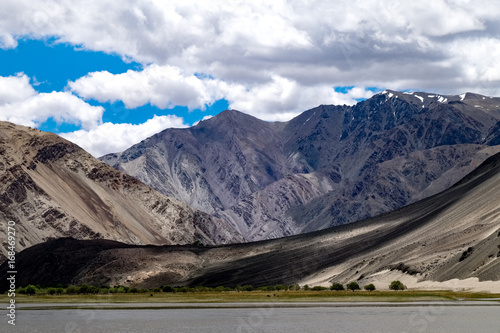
{"type": "Point", "coordinates": [329, 166]}
{"type": "Point", "coordinates": [454, 234]}
{"type": "Point", "coordinates": [52, 188]}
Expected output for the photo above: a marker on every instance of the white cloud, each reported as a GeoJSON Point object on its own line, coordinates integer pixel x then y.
{"type": "Point", "coordinates": [161, 86]}
{"type": "Point", "coordinates": [282, 99]}
{"type": "Point", "coordinates": [21, 104]}
{"type": "Point", "coordinates": [111, 138]}
{"type": "Point", "coordinates": [279, 99]}
{"type": "Point", "coordinates": [15, 88]}
{"type": "Point", "coordinates": [481, 66]}
{"type": "Point", "coordinates": [204, 118]}
{"type": "Point", "coordinates": [264, 38]}
{"type": "Point", "coordinates": [7, 41]}
{"type": "Point", "coordinates": [272, 59]}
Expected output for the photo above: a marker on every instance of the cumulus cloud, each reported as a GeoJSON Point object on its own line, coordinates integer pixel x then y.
{"type": "Point", "coordinates": [282, 99]}
{"type": "Point", "coordinates": [21, 104]}
{"type": "Point", "coordinates": [361, 43]}
{"type": "Point", "coordinates": [278, 99]}
{"type": "Point", "coordinates": [272, 59]}
{"type": "Point", "coordinates": [15, 88]}
{"type": "Point", "coordinates": [204, 118]}
{"type": "Point", "coordinates": [161, 86]}
{"type": "Point", "coordinates": [109, 137]}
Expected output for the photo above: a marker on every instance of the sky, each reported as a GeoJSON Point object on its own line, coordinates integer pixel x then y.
{"type": "Point", "coordinates": [107, 74]}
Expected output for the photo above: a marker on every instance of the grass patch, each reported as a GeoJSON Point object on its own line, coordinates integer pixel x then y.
{"type": "Point", "coordinates": [256, 296]}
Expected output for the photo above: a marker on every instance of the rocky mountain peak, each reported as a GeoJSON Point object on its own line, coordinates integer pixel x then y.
{"type": "Point", "coordinates": [330, 165]}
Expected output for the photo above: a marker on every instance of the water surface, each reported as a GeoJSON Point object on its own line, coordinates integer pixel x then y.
{"type": "Point", "coordinates": [268, 319]}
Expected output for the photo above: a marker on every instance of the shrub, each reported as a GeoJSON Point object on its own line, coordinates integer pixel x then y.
{"type": "Point", "coordinates": [122, 289]}
{"type": "Point", "coordinates": [306, 287]}
{"type": "Point", "coordinates": [30, 290]}
{"type": "Point", "coordinates": [397, 285]}
{"type": "Point", "coordinates": [134, 290]}
{"type": "Point", "coordinates": [84, 289]}
{"type": "Point", "coordinates": [51, 291]}
{"type": "Point", "coordinates": [59, 290]}
{"type": "Point", "coordinates": [337, 286]}
{"type": "Point", "coordinates": [369, 287]}
{"type": "Point", "coordinates": [183, 290]}
{"type": "Point", "coordinates": [353, 286]}
{"type": "Point", "coordinates": [167, 289]}
{"type": "Point", "coordinates": [319, 288]}
{"type": "Point", "coordinates": [93, 290]}
{"type": "Point", "coordinates": [71, 290]}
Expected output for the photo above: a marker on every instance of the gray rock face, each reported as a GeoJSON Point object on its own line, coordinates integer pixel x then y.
{"type": "Point", "coordinates": [329, 166]}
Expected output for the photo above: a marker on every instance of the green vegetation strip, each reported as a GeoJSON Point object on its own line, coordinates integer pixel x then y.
{"type": "Point", "coordinates": [240, 294]}
{"type": "Point", "coordinates": [259, 296]}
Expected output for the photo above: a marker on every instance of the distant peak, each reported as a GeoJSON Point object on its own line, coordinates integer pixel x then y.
{"type": "Point", "coordinates": [422, 96]}
{"type": "Point", "coordinates": [470, 95]}
{"type": "Point", "coordinates": [232, 113]}
{"type": "Point", "coordinates": [427, 99]}
{"type": "Point", "coordinates": [230, 116]}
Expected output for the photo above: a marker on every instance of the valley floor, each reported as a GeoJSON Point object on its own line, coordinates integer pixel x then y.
{"type": "Point", "coordinates": [232, 298]}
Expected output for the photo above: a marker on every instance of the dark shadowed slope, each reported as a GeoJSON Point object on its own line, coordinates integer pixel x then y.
{"type": "Point", "coordinates": [427, 239]}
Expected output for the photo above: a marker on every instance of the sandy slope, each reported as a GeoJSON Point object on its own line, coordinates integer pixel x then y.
{"type": "Point", "coordinates": [52, 188]}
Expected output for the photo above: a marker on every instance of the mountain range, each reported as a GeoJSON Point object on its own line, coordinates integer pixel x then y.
{"type": "Point", "coordinates": [452, 235]}
{"type": "Point", "coordinates": [401, 183]}
{"type": "Point", "coordinates": [52, 188]}
{"type": "Point", "coordinates": [329, 166]}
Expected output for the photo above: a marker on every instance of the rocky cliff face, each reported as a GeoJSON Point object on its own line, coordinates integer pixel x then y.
{"type": "Point", "coordinates": [52, 188]}
{"type": "Point", "coordinates": [331, 165]}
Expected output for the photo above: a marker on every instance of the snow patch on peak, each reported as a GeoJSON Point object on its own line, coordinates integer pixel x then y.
{"type": "Point", "coordinates": [462, 97]}
{"type": "Point", "coordinates": [442, 99]}
{"type": "Point", "coordinates": [420, 98]}
{"type": "Point", "coordinates": [390, 95]}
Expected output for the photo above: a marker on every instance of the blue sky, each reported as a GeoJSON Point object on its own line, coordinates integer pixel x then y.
{"type": "Point", "coordinates": [51, 65]}
{"type": "Point", "coordinates": [106, 74]}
